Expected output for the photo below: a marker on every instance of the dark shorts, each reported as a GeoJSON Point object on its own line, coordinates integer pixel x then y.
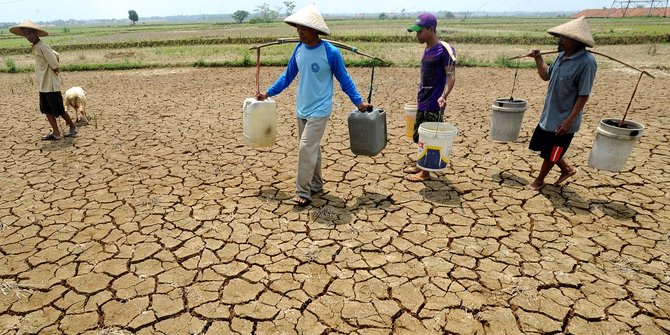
{"type": "Point", "coordinates": [550, 146]}
{"type": "Point", "coordinates": [425, 116]}
{"type": "Point", "coordinates": [52, 103]}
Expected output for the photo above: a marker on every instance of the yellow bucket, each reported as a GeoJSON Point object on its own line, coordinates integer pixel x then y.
{"type": "Point", "coordinates": [410, 117]}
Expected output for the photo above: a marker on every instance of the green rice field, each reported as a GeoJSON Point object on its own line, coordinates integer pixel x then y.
{"type": "Point", "coordinates": [479, 42]}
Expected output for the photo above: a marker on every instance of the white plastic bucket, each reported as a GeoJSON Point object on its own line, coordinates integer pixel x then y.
{"type": "Point", "coordinates": [506, 119]}
{"type": "Point", "coordinates": [435, 141]}
{"type": "Point", "coordinates": [260, 122]}
{"type": "Point", "coordinates": [614, 144]}
{"type": "Point", "coordinates": [410, 118]}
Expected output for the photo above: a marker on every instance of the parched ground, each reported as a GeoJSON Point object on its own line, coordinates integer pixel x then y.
{"type": "Point", "coordinates": [160, 220]}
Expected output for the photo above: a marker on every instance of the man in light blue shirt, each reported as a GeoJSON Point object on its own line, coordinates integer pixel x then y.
{"type": "Point", "coordinates": [570, 79]}
{"type": "Point", "coordinates": [317, 61]}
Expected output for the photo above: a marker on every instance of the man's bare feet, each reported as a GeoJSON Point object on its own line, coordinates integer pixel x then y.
{"type": "Point", "coordinates": [565, 175]}
{"type": "Point", "coordinates": [412, 169]}
{"type": "Point", "coordinates": [534, 186]}
{"type": "Point", "coordinates": [418, 177]}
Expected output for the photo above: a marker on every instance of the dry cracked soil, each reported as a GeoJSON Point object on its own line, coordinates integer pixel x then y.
{"type": "Point", "coordinates": [160, 221]}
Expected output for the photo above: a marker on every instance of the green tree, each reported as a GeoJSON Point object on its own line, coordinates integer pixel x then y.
{"type": "Point", "coordinates": [449, 15]}
{"type": "Point", "coordinates": [290, 6]}
{"type": "Point", "coordinates": [265, 14]}
{"type": "Point", "coordinates": [132, 16]}
{"type": "Point", "coordinates": [240, 15]}
{"type": "Point", "coordinates": [383, 16]}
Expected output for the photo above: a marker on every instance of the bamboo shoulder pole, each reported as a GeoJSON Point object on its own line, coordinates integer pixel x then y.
{"type": "Point", "coordinates": [593, 52]}
{"type": "Point", "coordinates": [616, 60]}
{"type": "Point", "coordinates": [335, 43]}
{"type": "Point", "coordinates": [541, 53]}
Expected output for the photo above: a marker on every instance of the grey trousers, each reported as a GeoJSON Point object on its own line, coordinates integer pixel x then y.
{"type": "Point", "coordinates": [310, 132]}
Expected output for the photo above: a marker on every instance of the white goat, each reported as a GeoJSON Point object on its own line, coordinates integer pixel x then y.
{"type": "Point", "coordinates": [76, 98]}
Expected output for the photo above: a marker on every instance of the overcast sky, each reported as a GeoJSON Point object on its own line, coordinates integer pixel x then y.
{"type": "Point", "coordinates": [47, 10]}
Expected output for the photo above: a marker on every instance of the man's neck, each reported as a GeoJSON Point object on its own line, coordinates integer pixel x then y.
{"type": "Point", "coordinates": [571, 52]}
{"type": "Point", "coordinates": [432, 42]}
{"type": "Point", "coordinates": [314, 42]}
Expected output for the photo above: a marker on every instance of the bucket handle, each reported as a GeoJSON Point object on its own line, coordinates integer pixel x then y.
{"type": "Point", "coordinates": [440, 119]}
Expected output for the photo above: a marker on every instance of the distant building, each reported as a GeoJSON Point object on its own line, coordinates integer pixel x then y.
{"type": "Point", "coordinates": [623, 12]}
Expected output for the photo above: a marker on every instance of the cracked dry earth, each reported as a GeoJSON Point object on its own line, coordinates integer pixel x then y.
{"type": "Point", "coordinates": [161, 221]}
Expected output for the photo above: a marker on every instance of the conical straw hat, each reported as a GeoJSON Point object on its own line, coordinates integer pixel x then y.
{"type": "Point", "coordinates": [309, 17]}
{"type": "Point", "coordinates": [16, 30]}
{"type": "Point", "coordinates": [577, 29]}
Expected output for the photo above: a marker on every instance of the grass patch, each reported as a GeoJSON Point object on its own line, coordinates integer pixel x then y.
{"type": "Point", "coordinates": [128, 65]}
{"type": "Point", "coordinates": [10, 65]}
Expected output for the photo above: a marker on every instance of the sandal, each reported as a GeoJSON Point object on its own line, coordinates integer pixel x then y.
{"type": "Point", "coordinates": [72, 133]}
{"type": "Point", "coordinates": [50, 137]}
{"type": "Point", "coordinates": [301, 201]}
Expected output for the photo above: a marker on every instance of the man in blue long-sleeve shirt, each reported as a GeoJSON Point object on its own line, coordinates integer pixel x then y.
{"type": "Point", "coordinates": [317, 61]}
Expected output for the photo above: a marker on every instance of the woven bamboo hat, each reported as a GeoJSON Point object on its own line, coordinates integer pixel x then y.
{"type": "Point", "coordinates": [576, 29]}
{"type": "Point", "coordinates": [16, 30]}
{"type": "Point", "coordinates": [309, 17]}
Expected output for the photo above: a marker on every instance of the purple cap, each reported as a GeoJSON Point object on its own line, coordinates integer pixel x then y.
{"type": "Point", "coordinates": [422, 21]}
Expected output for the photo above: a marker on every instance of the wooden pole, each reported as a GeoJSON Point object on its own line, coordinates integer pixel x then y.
{"type": "Point", "coordinates": [593, 52]}
{"type": "Point", "coordinates": [616, 60]}
{"type": "Point", "coordinates": [631, 99]}
{"type": "Point", "coordinates": [541, 53]}
{"type": "Point", "coordinates": [335, 43]}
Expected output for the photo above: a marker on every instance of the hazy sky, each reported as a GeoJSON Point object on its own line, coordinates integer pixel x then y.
{"type": "Point", "coordinates": [46, 10]}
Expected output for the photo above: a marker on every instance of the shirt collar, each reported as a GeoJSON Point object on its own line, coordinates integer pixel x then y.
{"type": "Point", "coordinates": [575, 55]}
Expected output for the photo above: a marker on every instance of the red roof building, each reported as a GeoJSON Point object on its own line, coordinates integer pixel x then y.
{"type": "Point", "coordinates": [623, 12]}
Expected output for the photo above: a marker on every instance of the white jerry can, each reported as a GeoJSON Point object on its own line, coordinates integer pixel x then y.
{"type": "Point", "coordinates": [260, 122]}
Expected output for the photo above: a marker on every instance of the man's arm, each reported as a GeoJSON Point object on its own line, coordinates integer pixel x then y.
{"type": "Point", "coordinates": [451, 80]}
{"type": "Point", "coordinates": [565, 126]}
{"type": "Point", "coordinates": [542, 67]}
{"type": "Point", "coordinates": [51, 58]}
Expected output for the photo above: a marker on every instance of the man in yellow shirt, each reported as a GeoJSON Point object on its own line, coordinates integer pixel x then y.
{"type": "Point", "coordinates": [47, 78]}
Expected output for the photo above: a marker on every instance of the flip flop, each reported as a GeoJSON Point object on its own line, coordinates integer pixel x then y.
{"type": "Point", "coordinates": [50, 137]}
{"type": "Point", "coordinates": [71, 133]}
{"type": "Point", "coordinates": [301, 201]}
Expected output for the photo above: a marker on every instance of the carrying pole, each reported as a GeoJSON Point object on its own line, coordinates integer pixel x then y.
{"type": "Point", "coordinates": [631, 100]}
{"type": "Point", "coordinates": [335, 43]}
{"type": "Point", "coordinates": [593, 52]}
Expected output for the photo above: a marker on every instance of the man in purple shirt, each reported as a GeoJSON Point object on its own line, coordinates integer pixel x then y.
{"type": "Point", "coordinates": [438, 76]}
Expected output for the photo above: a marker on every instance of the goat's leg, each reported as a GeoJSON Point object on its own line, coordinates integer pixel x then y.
{"type": "Point", "coordinates": [83, 113]}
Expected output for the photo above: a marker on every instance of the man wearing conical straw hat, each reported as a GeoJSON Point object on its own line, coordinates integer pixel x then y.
{"type": "Point", "coordinates": [316, 61]}
{"type": "Point", "coordinates": [570, 78]}
{"type": "Point", "coordinates": [47, 77]}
